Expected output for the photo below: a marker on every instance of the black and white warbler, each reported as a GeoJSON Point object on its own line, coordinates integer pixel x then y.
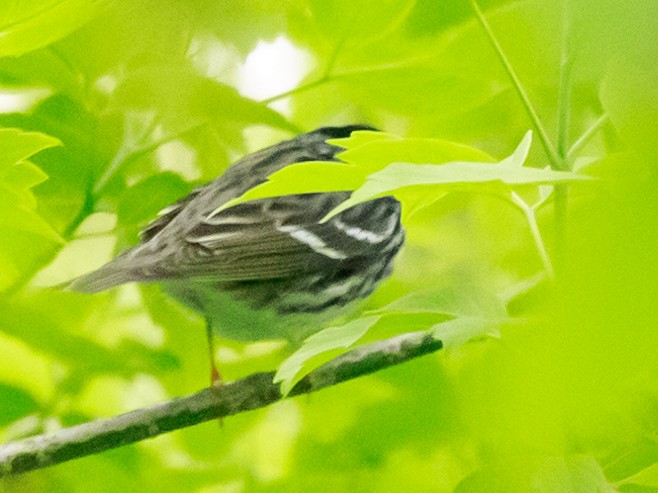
{"type": "Point", "coordinates": [265, 269]}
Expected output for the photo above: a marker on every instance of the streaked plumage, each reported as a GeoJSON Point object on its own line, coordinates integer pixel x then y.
{"type": "Point", "coordinates": [266, 268]}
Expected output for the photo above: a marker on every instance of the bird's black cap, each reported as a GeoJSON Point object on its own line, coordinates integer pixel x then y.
{"type": "Point", "coordinates": [341, 132]}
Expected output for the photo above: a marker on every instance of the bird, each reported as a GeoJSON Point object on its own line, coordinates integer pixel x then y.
{"type": "Point", "coordinates": [266, 268]}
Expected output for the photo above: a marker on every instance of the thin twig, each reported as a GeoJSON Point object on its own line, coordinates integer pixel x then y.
{"type": "Point", "coordinates": [561, 191]}
{"type": "Point", "coordinates": [586, 136]}
{"type": "Point", "coordinates": [296, 90]}
{"type": "Point", "coordinates": [554, 159]}
{"type": "Point", "coordinates": [564, 87]}
{"type": "Point", "coordinates": [250, 393]}
{"type": "Point", "coordinates": [529, 214]}
{"type": "Point", "coordinates": [324, 78]}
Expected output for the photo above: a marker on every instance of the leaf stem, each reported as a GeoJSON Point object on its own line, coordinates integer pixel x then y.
{"type": "Point", "coordinates": [560, 206]}
{"type": "Point", "coordinates": [564, 89]}
{"type": "Point", "coordinates": [553, 157]}
{"type": "Point", "coordinates": [586, 136]}
{"type": "Point", "coordinates": [530, 216]}
{"type": "Point", "coordinates": [126, 155]}
{"type": "Point", "coordinates": [561, 192]}
{"type": "Point", "coordinates": [122, 155]}
{"type": "Point", "coordinates": [299, 89]}
{"type": "Point", "coordinates": [344, 74]}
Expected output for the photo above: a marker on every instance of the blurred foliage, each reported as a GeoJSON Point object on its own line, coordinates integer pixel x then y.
{"type": "Point", "coordinates": [549, 383]}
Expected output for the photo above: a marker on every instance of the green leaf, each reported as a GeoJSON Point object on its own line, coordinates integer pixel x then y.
{"type": "Point", "coordinates": [520, 154]}
{"type": "Point", "coordinates": [18, 176]}
{"type": "Point", "coordinates": [362, 137]}
{"type": "Point", "coordinates": [455, 166]}
{"type": "Point", "coordinates": [17, 215]}
{"type": "Point", "coordinates": [51, 322]}
{"type": "Point", "coordinates": [141, 202]}
{"type": "Point", "coordinates": [646, 477]}
{"type": "Point", "coordinates": [358, 21]}
{"type": "Point", "coordinates": [367, 151]}
{"type": "Point", "coordinates": [563, 474]}
{"type": "Point", "coordinates": [475, 311]}
{"type": "Point", "coordinates": [17, 145]}
{"type": "Point", "coordinates": [458, 331]}
{"type": "Point", "coordinates": [378, 153]}
{"type": "Point", "coordinates": [19, 222]}
{"type": "Point", "coordinates": [15, 403]}
{"type": "Point", "coordinates": [28, 25]}
{"type": "Point", "coordinates": [454, 299]}
{"type": "Point", "coordinates": [320, 348]}
{"type": "Point", "coordinates": [455, 175]}
{"type": "Point", "coordinates": [307, 177]}
{"type": "Point", "coordinates": [22, 177]}
{"type": "Point", "coordinates": [25, 175]}
{"type": "Point", "coordinates": [629, 95]}
{"type": "Point", "coordinates": [182, 98]}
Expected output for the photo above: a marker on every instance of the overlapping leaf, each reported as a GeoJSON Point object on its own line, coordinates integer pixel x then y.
{"type": "Point", "coordinates": [26, 26]}
{"type": "Point", "coordinates": [183, 98]}
{"type": "Point", "coordinates": [467, 311]}
{"type": "Point", "coordinates": [18, 176]}
{"type": "Point", "coordinates": [17, 203]}
{"type": "Point", "coordinates": [381, 164]}
{"type": "Point", "coordinates": [320, 348]}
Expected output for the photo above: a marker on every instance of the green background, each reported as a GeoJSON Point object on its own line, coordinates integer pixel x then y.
{"type": "Point", "coordinates": [148, 99]}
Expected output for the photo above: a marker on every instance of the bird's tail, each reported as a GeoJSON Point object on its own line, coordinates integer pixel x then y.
{"type": "Point", "coordinates": [108, 276]}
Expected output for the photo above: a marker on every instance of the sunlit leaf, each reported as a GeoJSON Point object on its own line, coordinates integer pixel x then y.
{"type": "Point", "coordinates": [140, 203]}
{"type": "Point", "coordinates": [454, 299]}
{"type": "Point", "coordinates": [462, 175]}
{"type": "Point", "coordinates": [646, 477]}
{"type": "Point", "coordinates": [24, 231]}
{"type": "Point", "coordinates": [26, 26]}
{"type": "Point", "coordinates": [319, 348]}
{"type": "Point", "coordinates": [568, 474]}
{"type": "Point", "coordinates": [458, 331]}
{"type": "Point", "coordinates": [358, 21]}
{"type": "Point", "coordinates": [629, 96]}
{"type": "Point", "coordinates": [307, 177]}
{"type": "Point", "coordinates": [18, 176]}
{"type": "Point", "coordinates": [17, 145]}
{"type": "Point", "coordinates": [366, 152]}
{"type": "Point", "coordinates": [362, 137]}
{"type": "Point", "coordinates": [376, 154]}
{"type": "Point", "coordinates": [183, 97]}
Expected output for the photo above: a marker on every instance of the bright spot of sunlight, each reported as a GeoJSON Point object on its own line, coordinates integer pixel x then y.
{"type": "Point", "coordinates": [273, 68]}
{"type": "Point", "coordinates": [21, 101]}
{"type": "Point", "coordinates": [178, 157]}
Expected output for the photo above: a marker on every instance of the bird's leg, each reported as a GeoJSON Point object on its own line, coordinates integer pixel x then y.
{"type": "Point", "coordinates": [215, 377]}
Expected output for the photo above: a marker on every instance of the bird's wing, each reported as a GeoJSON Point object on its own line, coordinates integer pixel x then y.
{"type": "Point", "coordinates": [166, 215]}
{"type": "Point", "coordinates": [279, 238]}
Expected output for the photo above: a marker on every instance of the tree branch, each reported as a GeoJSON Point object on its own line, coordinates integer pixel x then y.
{"type": "Point", "coordinates": [252, 392]}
